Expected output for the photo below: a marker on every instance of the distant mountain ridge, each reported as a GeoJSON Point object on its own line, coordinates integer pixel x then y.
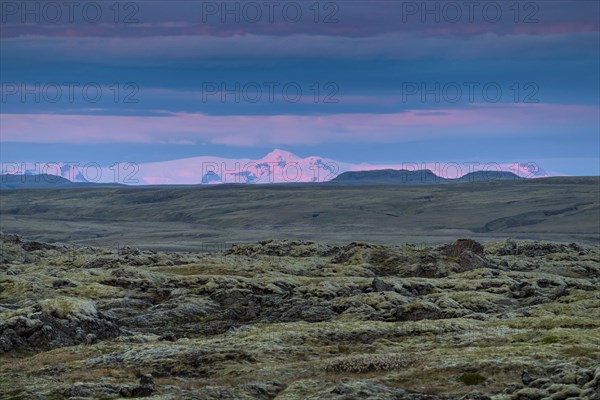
{"type": "Point", "coordinates": [278, 166]}
{"type": "Point", "coordinates": [418, 177]}
{"type": "Point", "coordinates": [374, 177]}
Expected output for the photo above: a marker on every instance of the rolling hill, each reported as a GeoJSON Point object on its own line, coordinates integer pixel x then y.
{"type": "Point", "coordinates": [561, 208]}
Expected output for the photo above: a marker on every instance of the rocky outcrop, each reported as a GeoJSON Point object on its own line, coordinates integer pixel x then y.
{"type": "Point", "coordinates": [461, 246]}
{"type": "Point", "coordinates": [564, 382]}
{"type": "Point", "coordinates": [59, 322]}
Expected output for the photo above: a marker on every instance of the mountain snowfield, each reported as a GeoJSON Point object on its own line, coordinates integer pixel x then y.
{"type": "Point", "coordinates": [279, 166]}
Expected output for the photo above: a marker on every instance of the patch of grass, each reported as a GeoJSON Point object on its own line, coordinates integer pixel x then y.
{"type": "Point", "coordinates": [581, 351]}
{"type": "Point", "coordinates": [472, 378]}
{"type": "Point", "coordinates": [63, 355]}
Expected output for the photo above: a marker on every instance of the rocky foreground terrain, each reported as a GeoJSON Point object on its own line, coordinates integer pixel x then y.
{"type": "Point", "coordinates": [300, 320]}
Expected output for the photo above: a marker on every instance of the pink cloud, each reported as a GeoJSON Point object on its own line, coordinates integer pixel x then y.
{"type": "Point", "coordinates": [184, 128]}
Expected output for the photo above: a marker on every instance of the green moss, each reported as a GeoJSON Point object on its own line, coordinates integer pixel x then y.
{"type": "Point", "coordinates": [550, 339]}
{"type": "Point", "coordinates": [67, 306]}
{"type": "Point", "coordinates": [472, 378]}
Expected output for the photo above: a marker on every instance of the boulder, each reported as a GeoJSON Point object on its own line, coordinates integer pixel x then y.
{"type": "Point", "coordinates": [461, 245]}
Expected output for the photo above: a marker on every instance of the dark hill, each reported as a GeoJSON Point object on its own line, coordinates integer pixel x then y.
{"type": "Point", "coordinates": [479, 176]}
{"type": "Point", "coordinates": [389, 177]}
{"type": "Point", "coordinates": [45, 181]}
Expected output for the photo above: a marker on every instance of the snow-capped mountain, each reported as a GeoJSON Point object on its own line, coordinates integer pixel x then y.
{"type": "Point", "coordinates": [279, 166]}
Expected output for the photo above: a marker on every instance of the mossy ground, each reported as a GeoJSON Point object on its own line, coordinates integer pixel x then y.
{"type": "Point", "coordinates": [301, 325]}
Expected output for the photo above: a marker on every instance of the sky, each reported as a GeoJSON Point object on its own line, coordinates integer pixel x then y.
{"type": "Point", "coordinates": [379, 82]}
